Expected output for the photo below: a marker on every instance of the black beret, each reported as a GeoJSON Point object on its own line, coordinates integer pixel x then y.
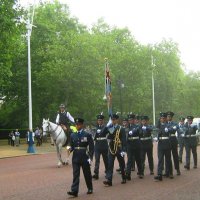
{"type": "Point", "coordinates": [190, 117]}
{"type": "Point", "coordinates": [115, 116]}
{"type": "Point", "coordinates": [162, 114]}
{"type": "Point", "coordinates": [131, 116]}
{"type": "Point", "coordinates": [170, 113]}
{"type": "Point", "coordinates": [79, 120]}
{"type": "Point", "coordinates": [100, 116]}
{"type": "Point", "coordinates": [144, 118]}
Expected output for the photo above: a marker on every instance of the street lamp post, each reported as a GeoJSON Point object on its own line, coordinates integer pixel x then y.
{"type": "Point", "coordinates": [29, 28]}
{"type": "Point", "coordinates": [153, 91]}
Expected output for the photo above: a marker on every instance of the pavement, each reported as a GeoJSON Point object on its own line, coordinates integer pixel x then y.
{"type": "Point", "coordinates": [38, 177]}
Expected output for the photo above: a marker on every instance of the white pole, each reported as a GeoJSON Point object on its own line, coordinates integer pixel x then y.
{"type": "Point", "coordinates": [153, 93]}
{"type": "Point", "coordinates": [29, 27]}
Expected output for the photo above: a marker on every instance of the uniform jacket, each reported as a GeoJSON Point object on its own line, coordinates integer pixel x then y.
{"type": "Point", "coordinates": [112, 136]}
{"type": "Point", "coordinates": [145, 136]}
{"type": "Point", "coordinates": [84, 141]}
{"type": "Point", "coordinates": [190, 134]}
{"type": "Point", "coordinates": [100, 137]}
{"type": "Point", "coordinates": [133, 140]}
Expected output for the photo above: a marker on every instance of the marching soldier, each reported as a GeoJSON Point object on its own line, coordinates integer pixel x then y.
{"type": "Point", "coordinates": [146, 143]}
{"type": "Point", "coordinates": [101, 145]}
{"type": "Point", "coordinates": [164, 147]}
{"type": "Point", "coordinates": [81, 158]}
{"type": "Point", "coordinates": [117, 142]}
{"type": "Point", "coordinates": [172, 127]}
{"type": "Point", "coordinates": [133, 148]}
{"type": "Point", "coordinates": [181, 135]}
{"type": "Point", "coordinates": [125, 125]}
{"type": "Point", "coordinates": [190, 142]}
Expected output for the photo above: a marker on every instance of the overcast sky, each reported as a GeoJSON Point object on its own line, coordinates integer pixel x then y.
{"type": "Point", "coordinates": [149, 21]}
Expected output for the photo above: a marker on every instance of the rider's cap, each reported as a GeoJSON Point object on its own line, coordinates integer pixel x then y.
{"type": "Point", "coordinates": [62, 106]}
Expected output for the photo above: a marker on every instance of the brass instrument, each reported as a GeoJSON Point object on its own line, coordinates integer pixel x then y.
{"type": "Point", "coordinates": [117, 142]}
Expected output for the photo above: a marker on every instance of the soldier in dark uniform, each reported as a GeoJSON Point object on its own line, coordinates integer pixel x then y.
{"type": "Point", "coordinates": [64, 118]}
{"type": "Point", "coordinates": [181, 135]}
{"type": "Point", "coordinates": [125, 125]}
{"type": "Point", "coordinates": [133, 148]}
{"type": "Point", "coordinates": [101, 145]}
{"type": "Point", "coordinates": [80, 142]}
{"type": "Point", "coordinates": [117, 148]}
{"type": "Point", "coordinates": [190, 142]}
{"type": "Point", "coordinates": [146, 143]}
{"type": "Point", "coordinates": [173, 127]}
{"type": "Point", "coordinates": [164, 146]}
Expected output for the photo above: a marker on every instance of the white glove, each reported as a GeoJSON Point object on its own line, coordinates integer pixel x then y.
{"type": "Point", "coordinates": [166, 130]}
{"type": "Point", "coordinates": [123, 154]}
{"type": "Point", "coordinates": [89, 161]}
{"type": "Point", "coordinates": [144, 128]}
{"type": "Point", "coordinates": [155, 139]}
{"type": "Point", "coordinates": [130, 132]}
{"type": "Point", "coordinates": [174, 127]}
{"type": "Point", "coordinates": [182, 135]}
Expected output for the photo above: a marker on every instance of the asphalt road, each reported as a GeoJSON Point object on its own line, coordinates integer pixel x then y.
{"type": "Point", "coordinates": [36, 177]}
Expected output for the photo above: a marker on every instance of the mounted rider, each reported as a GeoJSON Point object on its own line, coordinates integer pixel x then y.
{"type": "Point", "coordinates": [64, 119]}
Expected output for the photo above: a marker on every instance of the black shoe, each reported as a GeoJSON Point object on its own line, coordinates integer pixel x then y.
{"type": "Point", "coordinates": [171, 176]}
{"type": "Point", "coordinates": [52, 144]}
{"type": "Point", "coordinates": [118, 170]}
{"type": "Point", "coordinates": [133, 169]}
{"type": "Point", "coordinates": [90, 191]}
{"type": "Point", "coordinates": [158, 178]}
{"type": "Point", "coordinates": [151, 173]}
{"type": "Point", "coordinates": [107, 183]}
{"type": "Point", "coordinates": [128, 177]}
{"type": "Point", "coordinates": [195, 167]}
{"type": "Point", "coordinates": [75, 194]}
{"type": "Point", "coordinates": [166, 175]}
{"type": "Point", "coordinates": [187, 167]}
{"type": "Point", "coordinates": [180, 160]}
{"type": "Point", "coordinates": [178, 172]}
{"type": "Point", "coordinates": [123, 181]}
{"type": "Point", "coordinates": [95, 176]}
{"type": "Point", "coordinates": [141, 176]}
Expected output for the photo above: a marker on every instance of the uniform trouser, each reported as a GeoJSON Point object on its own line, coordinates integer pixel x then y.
{"type": "Point", "coordinates": [76, 175]}
{"type": "Point", "coordinates": [149, 153]}
{"type": "Point", "coordinates": [134, 153]}
{"type": "Point", "coordinates": [161, 154]}
{"type": "Point", "coordinates": [111, 160]}
{"type": "Point", "coordinates": [174, 151]}
{"type": "Point", "coordinates": [104, 154]}
{"type": "Point", "coordinates": [181, 146]}
{"type": "Point", "coordinates": [190, 148]}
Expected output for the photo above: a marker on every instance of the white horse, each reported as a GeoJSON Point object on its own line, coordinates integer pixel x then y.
{"type": "Point", "coordinates": [59, 137]}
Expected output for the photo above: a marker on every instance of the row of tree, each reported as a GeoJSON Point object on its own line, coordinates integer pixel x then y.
{"type": "Point", "coordinates": [67, 60]}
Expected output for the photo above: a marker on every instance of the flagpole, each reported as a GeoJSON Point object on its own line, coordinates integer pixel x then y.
{"type": "Point", "coordinates": [108, 87]}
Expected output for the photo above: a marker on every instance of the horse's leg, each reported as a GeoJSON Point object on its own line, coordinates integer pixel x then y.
{"type": "Point", "coordinates": [59, 148]}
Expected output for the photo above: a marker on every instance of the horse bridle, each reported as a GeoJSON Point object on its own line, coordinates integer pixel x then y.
{"type": "Point", "coordinates": [48, 131]}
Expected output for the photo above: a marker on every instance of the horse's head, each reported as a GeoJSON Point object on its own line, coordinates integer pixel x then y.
{"type": "Point", "coordinates": [45, 126]}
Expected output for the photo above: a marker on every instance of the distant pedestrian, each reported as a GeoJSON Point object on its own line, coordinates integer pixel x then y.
{"type": "Point", "coordinates": [12, 135]}
{"type": "Point", "coordinates": [17, 137]}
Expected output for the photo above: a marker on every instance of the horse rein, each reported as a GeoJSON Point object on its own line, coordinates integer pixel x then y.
{"type": "Point", "coordinates": [49, 131]}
